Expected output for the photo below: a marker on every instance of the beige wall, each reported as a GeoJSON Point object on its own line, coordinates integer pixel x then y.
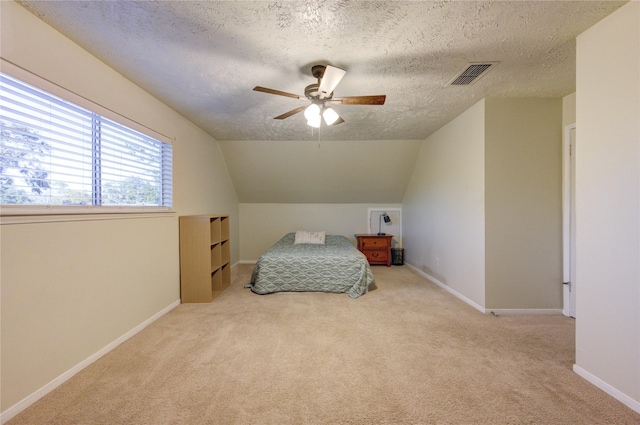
{"type": "Point", "coordinates": [523, 203]}
{"type": "Point", "coordinates": [443, 207]}
{"type": "Point", "coordinates": [483, 210]}
{"type": "Point", "coordinates": [569, 109]}
{"type": "Point", "coordinates": [262, 225]}
{"type": "Point", "coordinates": [71, 288]}
{"type": "Point", "coordinates": [608, 204]}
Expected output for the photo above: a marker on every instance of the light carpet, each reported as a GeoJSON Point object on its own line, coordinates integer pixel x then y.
{"type": "Point", "coordinates": [407, 352]}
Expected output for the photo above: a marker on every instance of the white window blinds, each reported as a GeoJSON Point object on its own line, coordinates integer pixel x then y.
{"type": "Point", "coordinates": [53, 152]}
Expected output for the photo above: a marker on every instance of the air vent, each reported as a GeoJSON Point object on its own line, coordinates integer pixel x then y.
{"type": "Point", "coordinates": [471, 74]}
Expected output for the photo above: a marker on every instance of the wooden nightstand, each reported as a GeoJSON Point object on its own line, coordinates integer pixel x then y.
{"type": "Point", "coordinates": [377, 248]}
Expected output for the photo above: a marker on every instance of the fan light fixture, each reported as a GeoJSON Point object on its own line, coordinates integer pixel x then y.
{"type": "Point", "coordinates": [314, 114]}
{"type": "Point", "coordinates": [321, 94]}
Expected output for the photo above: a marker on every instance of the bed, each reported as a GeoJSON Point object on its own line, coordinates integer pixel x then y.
{"type": "Point", "coordinates": [333, 266]}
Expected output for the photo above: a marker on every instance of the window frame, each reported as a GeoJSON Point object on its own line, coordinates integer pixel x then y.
{"type": "Point", "coordinates": [10, 214]}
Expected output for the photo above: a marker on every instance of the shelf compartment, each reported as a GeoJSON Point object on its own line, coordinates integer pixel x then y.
{"type": "Point", "coordinates": [216, 256]}
{"type": "Point", "coordinates": [216, 281]}
{"type": "Point", "coordinates": [224, 228]}
{"type": "Point", "coordinates": [224, 253]}
{"type": "Point", "coordinates": [226, 276]}
{"type": "Point", "coordinates": [216, 231]}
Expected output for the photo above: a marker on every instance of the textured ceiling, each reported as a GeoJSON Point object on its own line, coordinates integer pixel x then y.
{"type": "Point", "coordinates": [204, 58]}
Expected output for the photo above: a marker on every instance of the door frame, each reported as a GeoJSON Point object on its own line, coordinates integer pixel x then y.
{"type": "Point", "coordinates": [569, 221]}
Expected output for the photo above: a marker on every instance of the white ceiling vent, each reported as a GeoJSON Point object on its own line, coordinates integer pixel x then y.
{"type": "Point", "coordinates": [471, 74]}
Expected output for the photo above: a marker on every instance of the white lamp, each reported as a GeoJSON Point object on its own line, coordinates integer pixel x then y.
{"type": "Point", "coordinates": [314, 121]}
{"type": "Point", "coordinates": [312, 111]}
{"type": "Point", "coordinates": [312, 114]}
{"type": "Point", "coordinates": [330, 116]}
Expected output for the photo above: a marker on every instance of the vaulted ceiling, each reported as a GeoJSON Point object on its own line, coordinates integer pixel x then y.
{"type": "Point", "coordinates": [203, 58]}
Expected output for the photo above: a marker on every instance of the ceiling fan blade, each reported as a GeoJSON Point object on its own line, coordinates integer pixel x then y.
{"type": "Point", "coordinates": [360, 100]}
{"type": "Point", "coordinates": [330, 79]}
{"type": "Point", "coordinates": [292, 112]}
{"type": "Point", "coordinates": [278, 92]}
{"type": "Point", "coordinates": [338, 121]}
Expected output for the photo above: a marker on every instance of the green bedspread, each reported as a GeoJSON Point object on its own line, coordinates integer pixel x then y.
{"type": "Point", "coordinates": [336, 266]}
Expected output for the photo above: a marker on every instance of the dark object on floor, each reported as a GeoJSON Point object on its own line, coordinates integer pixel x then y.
{"type": "Point", "coordinates": [397, 256]}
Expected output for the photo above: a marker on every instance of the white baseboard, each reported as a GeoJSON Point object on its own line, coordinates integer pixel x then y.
{"type": "Point", "coordinates": [498, 311]}
{"type": "Point", "coordinates": [56, 382]}
{"type": "Point", "coordinates": [613, 392]}
{"type": "Point", "coordinates": [448, 289]}
{"type": "Point", "coordinates": [521, 311]}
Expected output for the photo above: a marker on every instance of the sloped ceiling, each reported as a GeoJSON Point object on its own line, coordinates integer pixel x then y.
{"type": "Point", "coordinates": [203, 58]}
{"type": "Point", "coordinates": [369, 171]}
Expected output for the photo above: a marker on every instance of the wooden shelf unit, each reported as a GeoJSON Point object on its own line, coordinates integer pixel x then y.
{"type": "Point", "coordinates": [205, 268]}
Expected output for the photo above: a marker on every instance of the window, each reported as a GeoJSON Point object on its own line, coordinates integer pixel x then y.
{"type": "Point", "coordinates": [56, 153]}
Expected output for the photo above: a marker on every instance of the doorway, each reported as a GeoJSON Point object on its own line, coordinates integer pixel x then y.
{"type": "Point", "coordinates": [569, 221]}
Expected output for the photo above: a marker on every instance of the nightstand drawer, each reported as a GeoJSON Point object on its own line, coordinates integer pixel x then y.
{"type": "Point", "coordinates": [373, 243]}
{"type": "Point", "coordinates": [377, 256]}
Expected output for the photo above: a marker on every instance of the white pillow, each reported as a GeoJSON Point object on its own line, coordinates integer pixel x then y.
{"type": "Point", "coordinates": [309, 237]}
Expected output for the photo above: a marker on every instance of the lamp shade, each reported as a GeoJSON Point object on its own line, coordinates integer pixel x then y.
{"type": "Point", "coordinates": [330, 116]}
{"type": "Point", "coordinates": [314, 121]}
{"type": "Point", "coordinates": [312, 112]}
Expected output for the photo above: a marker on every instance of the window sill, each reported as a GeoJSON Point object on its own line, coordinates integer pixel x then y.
{"type": "Point", "coordinates": [50, 214]}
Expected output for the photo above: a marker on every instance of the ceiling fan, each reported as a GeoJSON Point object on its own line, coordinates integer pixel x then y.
{"type": "Point", "coordinates": [321, 96]}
